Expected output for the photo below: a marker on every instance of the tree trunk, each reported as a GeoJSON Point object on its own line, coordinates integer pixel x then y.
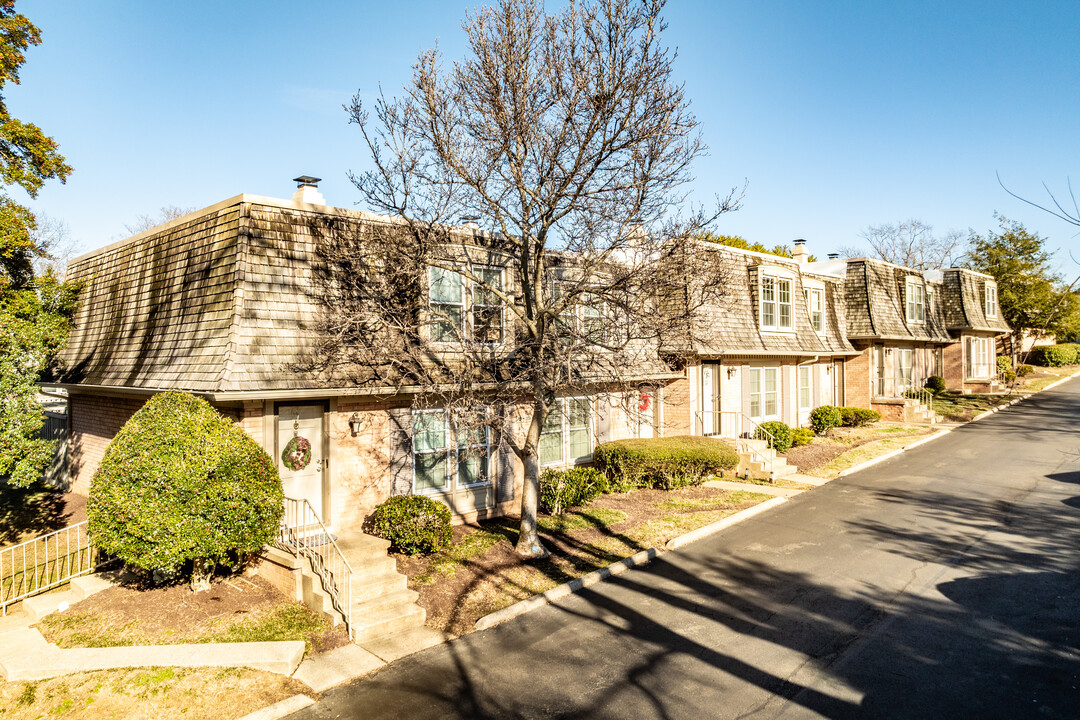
{"type": "Point", "coordinates": [528, 543]}
{"type": "Point", "coordinates": [201, 572]}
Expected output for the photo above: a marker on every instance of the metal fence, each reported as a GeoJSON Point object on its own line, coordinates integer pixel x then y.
{"type": "Point", "coordinates": [45, 562]}
{"type": "Point", "coordinates": [303, 534]}
{"type": "Point", "coordinates": [740, 428]}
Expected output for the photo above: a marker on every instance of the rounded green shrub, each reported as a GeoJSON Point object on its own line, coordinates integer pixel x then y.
{"type": "Point", "coordinates": [180, 482]}
{"type": "Point", "coordinates": [1009, 376]}
{"type": "Point", "coordinates": [414, 524]}
{"type": "Point", "coordinates": [780, 433]}
{"type": "Point", "coordinates": [1004, 362]}
{"type": "Point", "coordinates": [560, 489]}
{"type": "Point", "coordinates": [666, 463]}
{"type": "Point", "coordinates": [1024, 370]}
{"type": "Point", "coordinates": [801, 436]}
{"type": "Point", "coordinates": [935, 384]}
{"type": "Point", "coordinates": [824, 418]}
{"type": "Point", "coordinates": [1054, 355]}
{"type": "Point", "coordinates": [857, 416]}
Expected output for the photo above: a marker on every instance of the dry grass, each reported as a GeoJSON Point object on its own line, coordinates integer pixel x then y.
{"type": "Point", "coordinates": [147, 694]}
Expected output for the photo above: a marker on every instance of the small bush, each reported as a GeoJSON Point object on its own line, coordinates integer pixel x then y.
{"type": "Point", "coordinates": [1009, 376]}
{"type": "Point", "coordinates": [857, 416]}
{"type": "Point", "coordinates": [1054, 355]}
{"type": "Point", "coordinates": [666, 463]}
{"type": "Point", "coordinates": [801, 436]}
{"type": "Point", "coordinates": [1004, 362]}
{"type": "Point", "coordinates": [935, 384]}
{"type": "Point", "coordinates": [561, 489]}
{"type": "Point", "coordinates": [825, 418]}
{"type": "Point", "coordinates": [1024, 370]}
{"type": "Point", "coordinates": [413, 524]}
{"type": "Point", "coordinates": [780, 432]}
{"type": "Point", "coordinates": [181, 483]}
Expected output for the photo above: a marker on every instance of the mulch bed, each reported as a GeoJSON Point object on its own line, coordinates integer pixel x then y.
{"type": "Point", "coordinates": [816, 455]}
{"type": "Point", "coordinates": [447, 600]}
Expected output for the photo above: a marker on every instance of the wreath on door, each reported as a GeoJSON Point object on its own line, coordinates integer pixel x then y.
{"type": "Point", "coordinates": [297, 453]}
{"type": "Point", "coordinates": [645, 402]}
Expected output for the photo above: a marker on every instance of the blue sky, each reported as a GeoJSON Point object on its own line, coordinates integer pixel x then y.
{"type": "Point", "coordinates": [839, 114]}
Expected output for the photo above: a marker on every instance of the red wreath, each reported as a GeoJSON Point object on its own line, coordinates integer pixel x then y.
{"type": "Point", "coordinates": [645, 402]}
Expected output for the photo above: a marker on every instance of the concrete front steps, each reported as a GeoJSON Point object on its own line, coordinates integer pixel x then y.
{"type": "Point", "coordinates": [916, 413]}
{"type": "Point", "coordinates": [762, 462]}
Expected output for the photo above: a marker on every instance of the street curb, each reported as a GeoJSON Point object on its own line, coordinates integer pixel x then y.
{"type": "Point", "coordinates": [893, 453]}
{"type": "Point", "coordinates": [556, 593]}
{"type": "Point", "coordinates": [281, 708]}
{"type": "Point", "coordinates": [701, 532]}
{"type": "Point", "coordinates": [561, 591]}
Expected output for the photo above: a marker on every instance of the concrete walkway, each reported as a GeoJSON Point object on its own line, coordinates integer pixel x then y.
{"type": "Point", "coordinates": [753, 487]}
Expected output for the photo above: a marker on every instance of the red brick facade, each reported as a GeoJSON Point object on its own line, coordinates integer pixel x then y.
{"type": "Point", "coordinates": [95, 420]}
{"type": "Point", "coordinates": [857, 378]}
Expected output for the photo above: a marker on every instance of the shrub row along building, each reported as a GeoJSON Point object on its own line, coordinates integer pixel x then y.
{"type": "Point", "coordinates": [221, 303]}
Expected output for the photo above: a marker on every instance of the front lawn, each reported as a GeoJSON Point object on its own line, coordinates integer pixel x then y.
{"type": "Point", "coordinates": [480, 573]}
{"type": "Point", "coordinates": [845, 447]}
{"type": "Point", "coordinates": [962, 408]}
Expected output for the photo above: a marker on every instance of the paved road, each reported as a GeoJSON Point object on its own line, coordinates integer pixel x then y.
{"type": "Point", "coordinates": [942, 584]}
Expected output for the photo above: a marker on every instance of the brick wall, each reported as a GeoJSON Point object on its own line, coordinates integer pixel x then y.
{"type": "Point", "coordinates": [857, 379]}
{"type": "Point", "coordinates": [95, 420]}
{"type": "Point", "coordinates": [677, 408]}
{"type": "Point", "coordinates": [360, 464]}
{"type": "Point", "coordinates": [954, 366]}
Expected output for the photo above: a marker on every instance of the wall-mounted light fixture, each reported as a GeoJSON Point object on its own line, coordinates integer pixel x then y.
{"type": "Point", "coordinates": [731, 371]}
{"type": "Point", "coordinates": [354, 424]}
{"type": "Point", "coordinates": [828, 369]}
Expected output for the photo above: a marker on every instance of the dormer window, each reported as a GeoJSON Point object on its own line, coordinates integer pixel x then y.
{"type": "Point", "coordinates": [448, 300]}
{"type": "Point", "coordinates": [916, 306]}
{"type": "Point", "coordinates": [775, 302]}
{"type": "Point", "coordinates": [815, 307]}
{"type": "Point", "coordinates": [991, 300]}
{"type": "Point", "coordinates": [447, 305]}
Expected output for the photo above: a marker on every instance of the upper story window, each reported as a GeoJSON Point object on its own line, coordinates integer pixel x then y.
{"type": "Point", "coordinates": [991, 300]}
{"type": "Point", "coordinates": [449, 297]}
{"type": "Point", "coordinates": [775, 302]}
{"type": "Point", "coordinates": [584, 315]}
{"type": "Point", "coordinates": [815, 306]}
{"type": "Point", "coordinates": [916, 305]}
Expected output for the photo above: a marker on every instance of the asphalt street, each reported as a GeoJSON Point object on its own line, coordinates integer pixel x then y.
{"type": "Point", "coordinates": [944, 583]}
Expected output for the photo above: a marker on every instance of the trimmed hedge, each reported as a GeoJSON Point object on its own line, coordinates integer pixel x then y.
{"type": "Point", "coordinates": [1054, 355]}
{"type": "Point", "coordinates": [935, 384]}
{"type": "Point", "coordinates": [857, 417]}
{"type": "Point", "coordinates": [1024, 370]}
{"type": "Point", "coordinates": [780, 432]}
{"type": "Point", "coordinates": [666, 463]}
{"type": "Point", "coordinates": [182, 483]}
{"type": "Point", "coordinates": [560, 489]}
{"type": "Point", "coordinates": [824, 418]}
{"type": "Point", "coordinates": [413, 524]}
{"type": "Point", "coordinates": [801, 436]}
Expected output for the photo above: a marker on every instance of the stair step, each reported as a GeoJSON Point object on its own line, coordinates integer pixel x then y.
{"type": "Point", "coordinates": [381, 623]}
{"type": "Point", "coordinates": [361, 545]}
{"type": "Point", "coordinates": [366, 587]}
{"type": "Point", "coordinates": [385, 601]}
{"type": "Point", "coordinates": [41, 605]}
{"type": "Point", "coordinates": [372, 565]}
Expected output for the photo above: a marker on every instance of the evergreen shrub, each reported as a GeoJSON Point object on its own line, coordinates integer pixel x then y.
{"type": "Point", "coordinates": [1024, 370]}
{"type": "Point", "coordinates": [857, 416]}
{"type": "Point", "coordinates": [179, 483]}
{"type": "Point", "coordinates": [665, 463]}
{"type": "Point", "coordinates": [561, 489]}
{"type": "Point", "coordinates": [780, 432]}
{"type": "Point", "coordinates": [1054, 355]}
{"type": "Point", "coordinates": [824, 418]}
{"type": "Point", "coordinates": [414, 524]}
{"type": "Point", "coordinates": [801, 436]}
{"type": "Point", "coordinates": [935, 384]}
{"type": "Point", "coordinates": [1004, 362]}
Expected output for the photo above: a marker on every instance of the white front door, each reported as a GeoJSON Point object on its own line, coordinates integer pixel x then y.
{"type": "Point", "coordinates": [710, 380]}
{"type": "Point", "coordinates": [300, 455]}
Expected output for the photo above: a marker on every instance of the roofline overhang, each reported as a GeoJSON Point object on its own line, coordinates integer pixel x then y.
{"type": "Point", "coordinates": [780, 353]}
{"type": "Point", "coordinates": [302, 393]}
{"type": "Point", "coordinates": [903, 338]}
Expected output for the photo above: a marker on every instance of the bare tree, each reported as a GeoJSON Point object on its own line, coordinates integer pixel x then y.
{"type": "Point", "coordinates": [911, 243]}
{"type": "Point", "coordinates": [1069, 215]}
{"type": "Point", "coordinates": [166, 214]}
{"type": "Point", "coordinates": [564, 135]}
{"type": "Point", "coordinates": [52, 238]}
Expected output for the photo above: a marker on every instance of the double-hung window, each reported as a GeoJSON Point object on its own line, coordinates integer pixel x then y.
{"type": "Point", "coordinates": [775, 303]}
{"type": "Point", "coordinates": [991, 300]}
{"type": "Point", "coordinates": [487, 309]}
{"type": "Point", "coordinates": [567, 434]}
{"type": "Point", "coordinates": [447, 303]}
{"type": "Point", "coordinates": [805, 390]}
{"type": "Point", "coordinates": [446, 452]}
{"type": "Point", "coordinates": [815, 305]}
{"type": "Point", "coordinates": [764, 398]}
{"type": "Point", "coordinates": [916, 306]}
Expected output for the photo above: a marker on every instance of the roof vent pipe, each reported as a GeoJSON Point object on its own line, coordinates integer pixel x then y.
{"type": "Point", "coordinates": [307, 190]}
{"type": "Point", "coordinates": [470, 221]}
{"type": "Point", "coordinates": [799, 252]}
{"type": "Point", "coordinates": [834, 256]}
